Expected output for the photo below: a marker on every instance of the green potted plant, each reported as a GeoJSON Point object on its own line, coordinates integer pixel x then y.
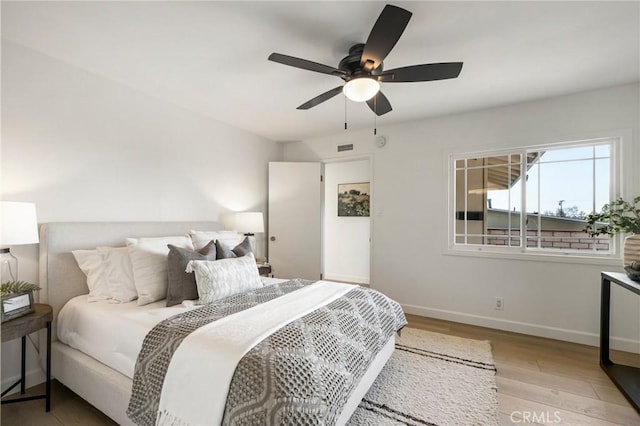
{"type": "Point", "coordinates": [11, 287]}
{"type": "Point", "coordinates": [620, 216]}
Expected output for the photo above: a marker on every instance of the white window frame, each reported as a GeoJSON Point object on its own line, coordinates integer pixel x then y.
{"type": "Point", "coordinates": [612, 257]}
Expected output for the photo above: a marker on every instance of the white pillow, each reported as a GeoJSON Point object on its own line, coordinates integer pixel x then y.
{"type": "Point", "coordinates": [202, 238]}
{"type": "Point", "coordinates": [91, 263]}
{"type": "Point", "coordinates": [225, 277]}
{"type": "Point", "coordinates": [149, 262]}
{"type": "Point", "coordinates": [119, 273]}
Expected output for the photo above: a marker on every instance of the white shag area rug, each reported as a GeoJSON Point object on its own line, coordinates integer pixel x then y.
{"type": "Point", "coordinates": [433, 379]}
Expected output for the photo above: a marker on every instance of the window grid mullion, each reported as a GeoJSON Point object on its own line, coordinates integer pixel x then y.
{"type": "Point", "coordinates": [614, 243]}
{"type": "Point", "coordinates": [466, 195]}
{"type": "Point", "coordinates": [593, 193]}
{"type": "Point", "coordinates": [539, 225]}
{"type": "Point", "coordinates": [523, 200]}
{"type": "Point", "coordinates": [509, 203]}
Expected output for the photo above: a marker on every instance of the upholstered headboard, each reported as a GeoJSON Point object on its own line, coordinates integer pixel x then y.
{"type": "Point", "coordinates": [60, 277]}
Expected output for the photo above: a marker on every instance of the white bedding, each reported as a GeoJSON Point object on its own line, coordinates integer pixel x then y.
{"type": "Point", "coordinates": [113, 333]}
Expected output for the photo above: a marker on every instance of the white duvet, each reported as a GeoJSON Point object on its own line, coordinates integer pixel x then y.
{"type": "Point", "coordinates": [112, 333]}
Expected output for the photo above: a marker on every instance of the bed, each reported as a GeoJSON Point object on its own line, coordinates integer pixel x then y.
{"type": "Point", "coordinates": [107, 383]}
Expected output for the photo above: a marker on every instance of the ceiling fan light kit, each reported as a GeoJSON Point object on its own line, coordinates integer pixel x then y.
{"type": "Point", "coordinates": [361, 89]}
{"type": "Point", "coordinates": [362, 68]}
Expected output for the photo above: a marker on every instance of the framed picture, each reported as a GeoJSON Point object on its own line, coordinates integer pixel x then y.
{"type": "Point", "coordinates": [16, 304]}
{"type": "Point", "coordinates": [353, 199]}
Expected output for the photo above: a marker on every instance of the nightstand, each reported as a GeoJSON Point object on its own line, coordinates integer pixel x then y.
{"type": "Point", "coordinates": [264, 269]}
{"type": "Point", "coordinates": [21, 327]}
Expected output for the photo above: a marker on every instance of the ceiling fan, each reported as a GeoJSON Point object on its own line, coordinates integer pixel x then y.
{"type": "Point", "coordinates": [362, 69]}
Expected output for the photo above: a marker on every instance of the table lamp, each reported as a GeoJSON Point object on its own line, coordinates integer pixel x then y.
{"type": "Point", "coordinates": [249, 223]}
{"type": "Point", "coordinates": [18, 226]}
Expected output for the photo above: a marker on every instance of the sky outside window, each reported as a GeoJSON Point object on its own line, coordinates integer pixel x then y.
{"type": "Point", "coordinates": [565, 175]}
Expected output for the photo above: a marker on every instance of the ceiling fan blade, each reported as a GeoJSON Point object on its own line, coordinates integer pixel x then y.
{"type": "Point", "coordinates": [384, 35]}
{"type": "Point", "coordinates": [321, 98]}
{"type": "Point", "coordinates": [305, 65]}
{"type": "Point", "coordinates": [424, 72]}
{"type": "Point", "coordinates": [379, 104]}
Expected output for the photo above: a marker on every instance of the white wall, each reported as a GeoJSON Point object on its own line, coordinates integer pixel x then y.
{"type": "Point", "coordinates": [346, 239]}
{"type": "Point", "coordinates": [410, 259]}
{"type": "Point", "coordinates": [85, 148]}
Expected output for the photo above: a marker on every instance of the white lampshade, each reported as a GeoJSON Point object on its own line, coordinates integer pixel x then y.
{"type": "Point", "coordinates": [18, 223]}
{"type": "Point", "coordinates": [249, 222]}
{"type": "Point", "coordinates": [361, 89]}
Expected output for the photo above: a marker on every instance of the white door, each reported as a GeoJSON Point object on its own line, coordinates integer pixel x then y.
{"type": "Point", "coordinates": [295, 220]}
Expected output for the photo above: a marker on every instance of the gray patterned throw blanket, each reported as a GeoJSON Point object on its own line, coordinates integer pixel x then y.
{"type": "Point", "coordinates": [302, 374]}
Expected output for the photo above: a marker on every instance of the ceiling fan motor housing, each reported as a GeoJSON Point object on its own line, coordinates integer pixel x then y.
{"type": "Point", "coordinates": [351, 64]}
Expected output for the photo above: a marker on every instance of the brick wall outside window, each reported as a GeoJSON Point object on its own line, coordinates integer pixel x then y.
{"type": "Point", "coordinates": [568, 240]}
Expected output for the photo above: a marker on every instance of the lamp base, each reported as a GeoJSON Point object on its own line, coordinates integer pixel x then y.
{"type": "Point", "coordinates": [252, 242]}
{"type": "Point", "coordinates": [8, 266]}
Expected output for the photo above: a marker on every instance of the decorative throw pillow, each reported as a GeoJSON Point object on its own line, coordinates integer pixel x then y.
{"type": "Point", "coordinates": [202, 238]}
{"type": "Point", "coordinates": [149, 262]}
{"type": "Point", "coordinates": [222, 278]}
{"type": "Point", "coordinates": [182, 285]}
{"type": "Point", "coordinates": [91, 263]}
{"type": "Point", "coordinates": [119, 273]}
{"type": "Point", "coordinates": [224, 252]}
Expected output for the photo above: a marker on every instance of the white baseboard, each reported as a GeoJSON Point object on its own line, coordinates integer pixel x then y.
{"type": "Point", "coordinates": [34, 377]}
{"type": "Point", "coordinates": [575, 336]}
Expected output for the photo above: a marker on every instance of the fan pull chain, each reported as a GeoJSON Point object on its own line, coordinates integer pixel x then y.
{"type": "Point", "coordinates": [345, 113]}
{"type": "Point", "coordinates": [375, 115]}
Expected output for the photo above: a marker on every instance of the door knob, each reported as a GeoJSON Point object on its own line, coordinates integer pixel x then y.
{"type": "Point", "coordinates": [272, 238]}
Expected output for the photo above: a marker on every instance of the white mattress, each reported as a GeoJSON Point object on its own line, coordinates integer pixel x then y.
{"type": "Point", "coordinates": [113, 333]}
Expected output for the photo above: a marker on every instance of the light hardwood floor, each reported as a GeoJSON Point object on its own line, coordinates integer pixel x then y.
{"type": "Point", "coordinates": [549, 381]}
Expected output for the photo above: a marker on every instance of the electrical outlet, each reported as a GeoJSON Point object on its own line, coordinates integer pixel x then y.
{"type": "Point", "coordinates": [499, 303]}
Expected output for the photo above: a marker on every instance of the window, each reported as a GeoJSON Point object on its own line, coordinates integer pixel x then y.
{"type": "Point", "coordinates": [532, 199]}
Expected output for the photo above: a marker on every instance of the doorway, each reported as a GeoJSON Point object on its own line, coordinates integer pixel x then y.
{"type": "Point", "coordinates": [347, 234]}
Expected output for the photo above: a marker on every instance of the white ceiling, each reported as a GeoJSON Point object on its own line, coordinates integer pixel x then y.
{"type": "Point", "coordinates": [211, 57]}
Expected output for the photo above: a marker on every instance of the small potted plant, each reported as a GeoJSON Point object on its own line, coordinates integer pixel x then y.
{"type": "Point", "coordinates": [616, 217]}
